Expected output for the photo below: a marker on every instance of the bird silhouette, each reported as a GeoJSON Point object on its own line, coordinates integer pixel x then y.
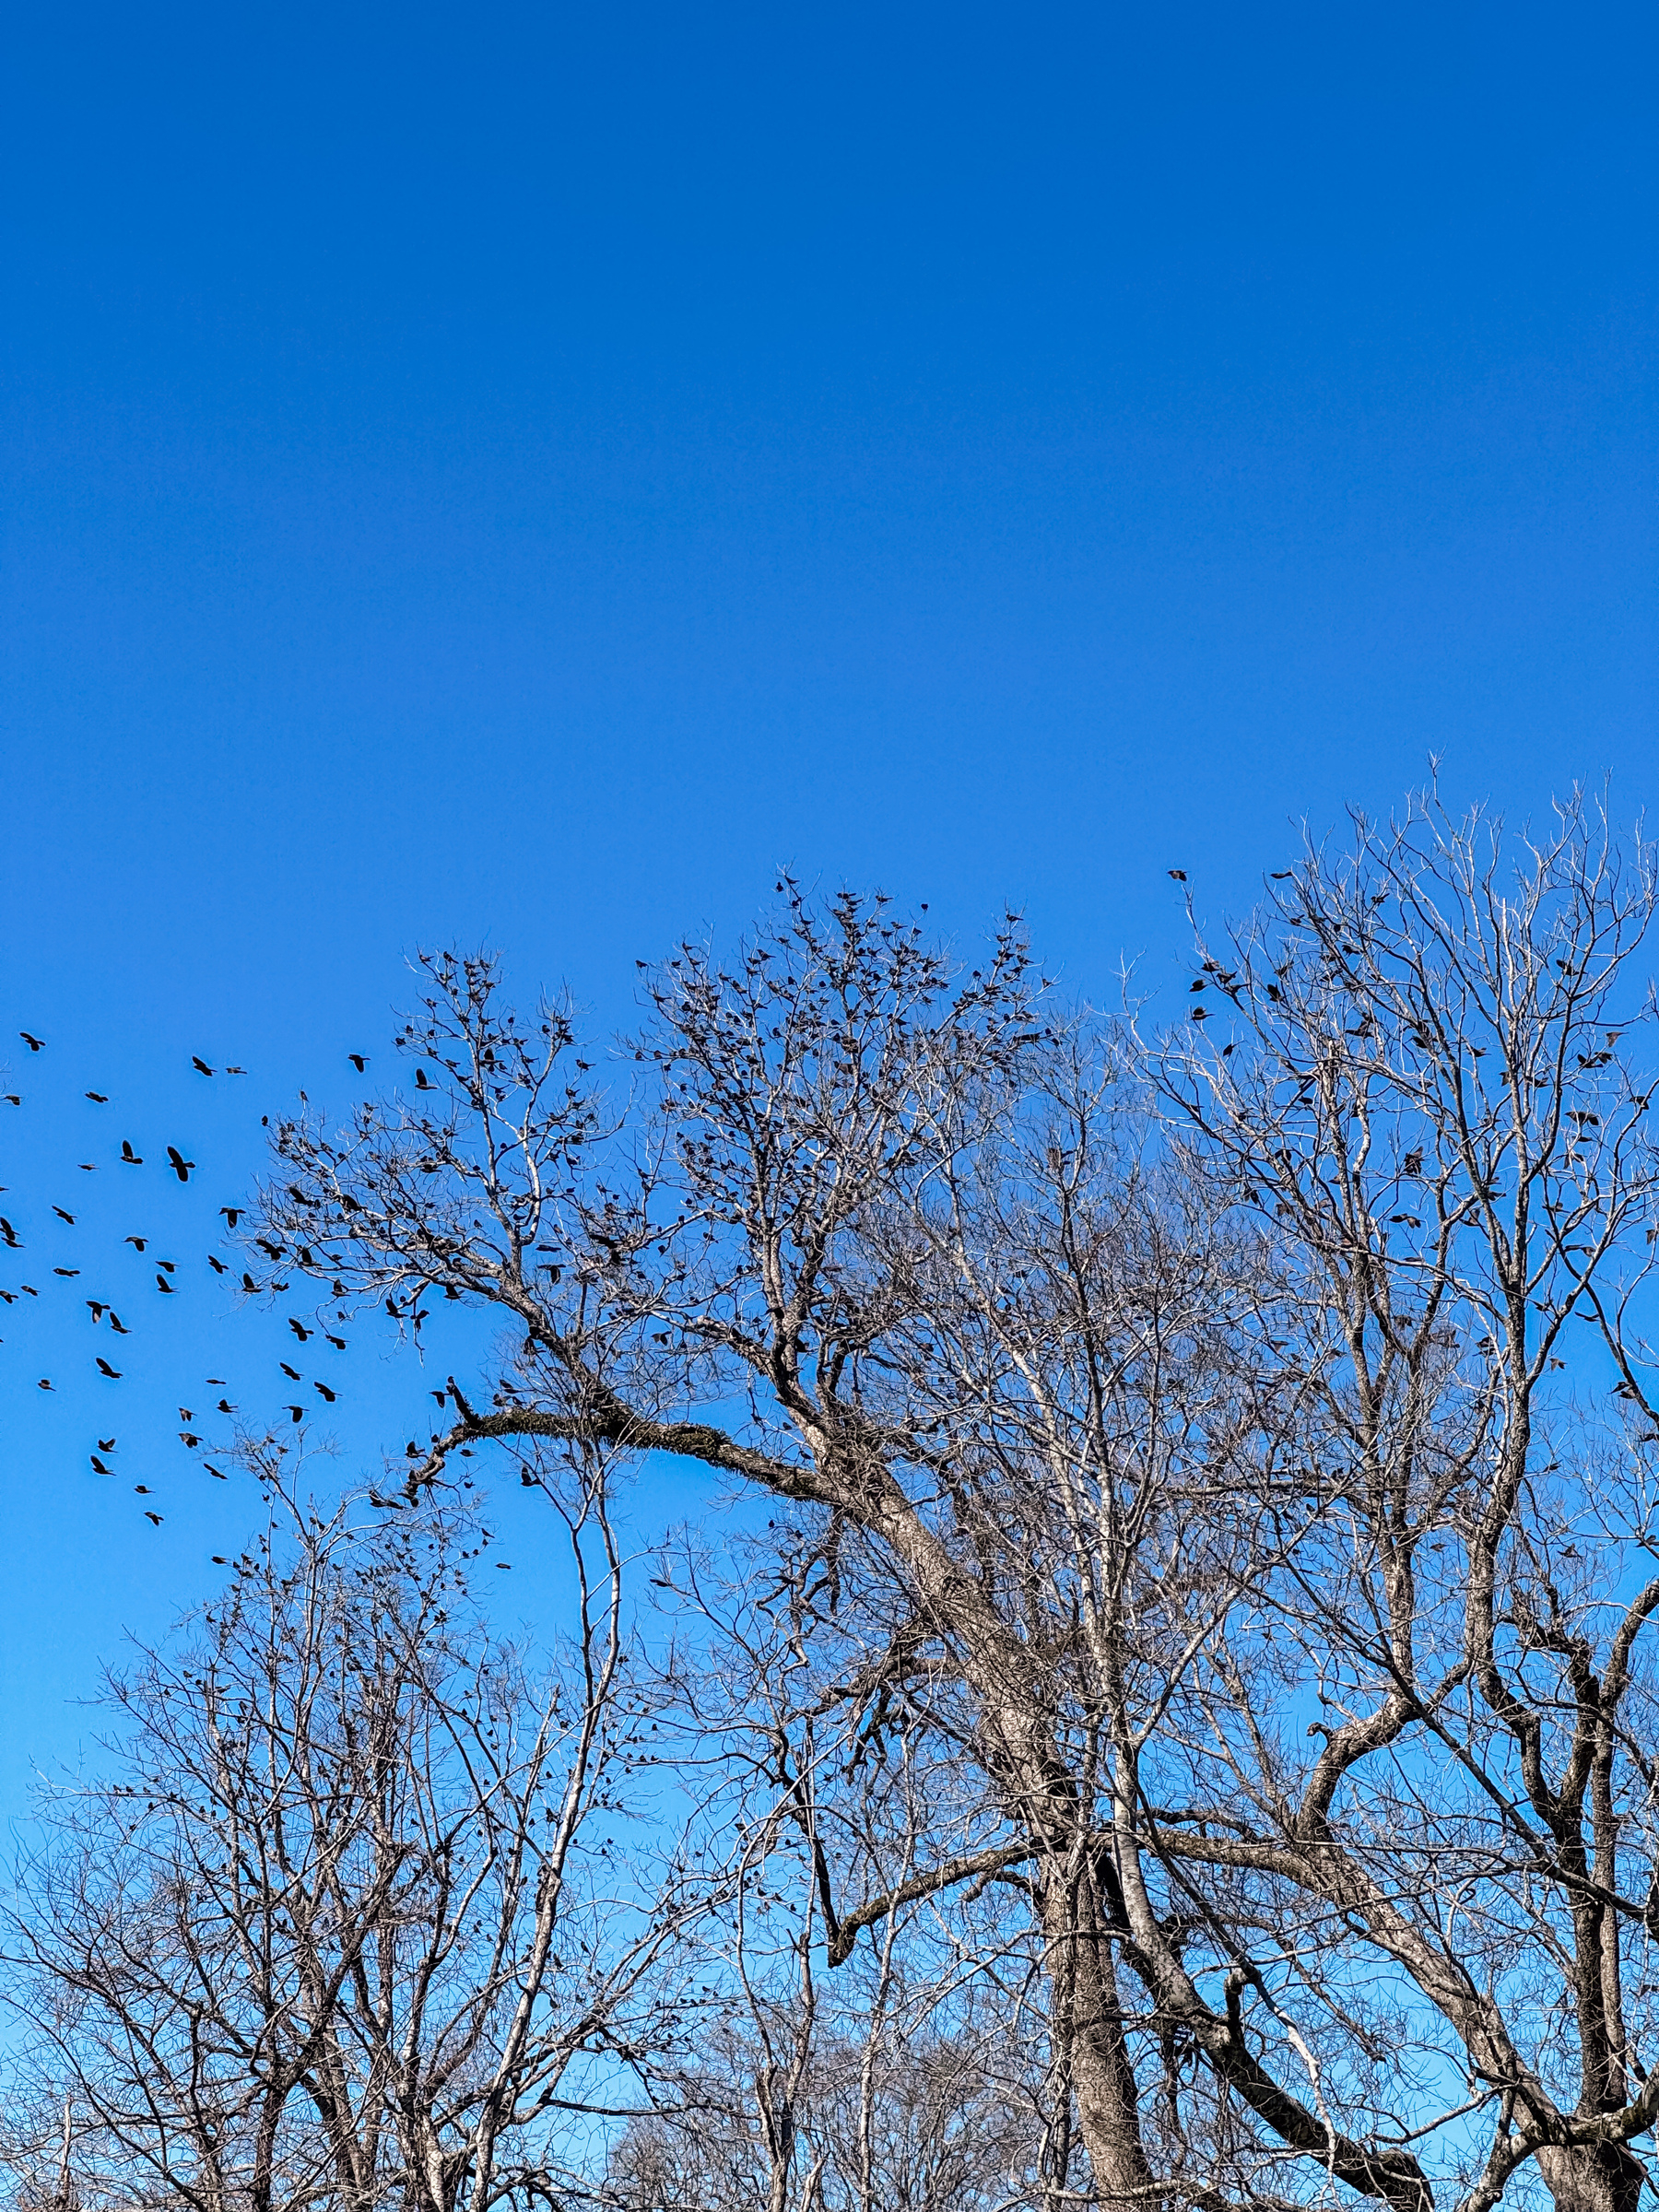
{"type": "Point", "coordinates": [154, 1517]}
{"type": "Point", "coordinates": [1178, 875]}
{"type": "Point", "coordinates": [179, 1164]}
{"type": "Point", "coordinates": [97, 1465]}
{"type": "Point", "coordinates": [217, 1267]}
{"type": "Point", "coordinates": [44, 1382]}
{"type": "Point", "coordinates": [35, 1044]}
{"type": "Point", "coordinates": [119, 1326]}
{"type": "Point", "coordinates": [97, 1098]}
{"type": "Point", "coordinates": [338, 1342]}
{"type": "Point", "coordinates": [232, 1214]}
{"type": "Point", "coordinates": [247, 1282]}
{"type": "Point", "coordinates": [106, 1443]}
{"type": "Point", "coordinates": [421, 1080]}
{"type": "Point", "coordinates": [323, 1389]}
{"type": "Point", "coordinates": [142, 1490]}
{"type": "Point", "coordinates": [291, 1373]}
{"type": "Point", "coordinates": [299, 1329]}
{"type": "Point", "coordinates": [11, 1098]}
{"type": "Point", "coordinates": [10, 1234]}
{"type": "Point", "coordinates": [129, 1159]}
{"type": "Point", "coordinates": [236, 1071]}
{"type": "Point", "coordinates": [68, 1271]}
{"type": "Point", "coordinates": [298, 1412]}
{"type": "Point", "coordinates": [105, 1368]}
{"type": "Point", "coordinates": [162, 1284]}
{"type": "Point", "coordinates": [201, 1066]}
{"type": "Point", "coordinates": [359, 1060]}
{"type": "Point", "coordinates": [62, 1215]}
{"type": "Point", "coordinates": [98, 1308]}
{"type": "Point", "coordinates": [137, 1243]}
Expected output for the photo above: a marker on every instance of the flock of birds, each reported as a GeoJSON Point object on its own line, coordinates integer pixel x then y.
{"type": "Point", "coordinates": [104, 1314]}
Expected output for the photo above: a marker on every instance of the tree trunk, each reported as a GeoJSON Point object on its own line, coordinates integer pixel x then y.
{"type": "Point", "coordinates": [1088, 2013]}
{"type": "Point", "coordinates": [1606, 2178]}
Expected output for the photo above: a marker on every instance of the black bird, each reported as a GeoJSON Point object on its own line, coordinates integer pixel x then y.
{"type": "Point", "coordinates": [35, 1044]}
{"type": "Point", "coordinates": [232, 1214]}
{"type": "Point", "coordinates": [105, 1368]}
{"type": "Point", "coordinates": [225, 1405]}
{"type": "Point", "coordinates": [323, 1390]}
{"type": "Point", "coordinates": [298, 1412]}
{"type": "Point", "coordinates": [1178, 875]}
{"type": "Point", "coordinates": [119, 1326]}
{"type": "Point", "coordinates": [217, 1266]}
{"type": "Point", "coordinates": [98, 1308]}
{"type": "Point", "coordinates": [142, 1490]}
{"type": "Point", "coordinates": [129, 1159]}
{"type": "Point", "coordinates": [97, 1098]}
{"type": "Point", "coordinates": [299, 1329]}
{"type": "Point", "coordinates": [9, 1296]}
{"type": "Point", "coordinates": [248, 1283]}
{"type": "Point", "coordinates": [62, 1215]}
{"type": "Point", "coordinates": [338, 1342]}
{"type": "Point", "coordinates": [44, 1382]}
{"type": "Point", "coordinates": [442, 1396]}
{"type": "Point", "coordinates": [106, 1443]}
{"type": "Point", "coordinates": [185, 1437]}
{"type": "Point", "coordinates": [179, 1164]}
{"type": "Point", "coordinates": [97, 1465]}
{"type": "Point", "coordinates": [68, 1271]}
{"type": "Point", "coordinates": [217, 1560]}
{"type": "Point", "coordinates": [12, 1099]}
{"type": "Point", "coordinates": [291, 1373]}
{"type": "Point", "coordinates": [162, 1284]}
{"type": "Point", "coordinates": [137, 1243]}
{"type": "Point", "coordinates": [266, 1244]}
{"type": "Point", "coordinates": [214, 1473]}
{"type": "Point", "coordinates": [421, 1082]}
{"type": "Point", "coordinates": [168, 1266]}
{"type": "Point", "coordinates": [1281, 874]}
{"type": "Point", "coordinates": [236, 1071]}
{"type": "Point", "coordinates": [9, 1233]}
{"type": "Point", "coordinates": [197, 1062]}
{"type": "Point", "coordinates": [154, 1517]}
{"type": "Point", "coordinates": [87, 1167]}
{"type": "Point", "coordinates": [359, 1060]}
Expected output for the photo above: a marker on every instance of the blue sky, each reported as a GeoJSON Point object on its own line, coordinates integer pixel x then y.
{"type": "Point", "coordinates": [523, 475]}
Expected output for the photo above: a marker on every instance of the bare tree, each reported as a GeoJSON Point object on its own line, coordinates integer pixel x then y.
{"type": "Point", "coordinates": [343, 1927]}
{"type": "Point", "coordinates": [1200, 1485]}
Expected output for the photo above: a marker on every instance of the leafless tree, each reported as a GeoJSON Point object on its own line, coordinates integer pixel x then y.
{"type": "Point", "coordinates": [351, 1921]}
{"type": "Point", "coordinates": [1147, 1409]}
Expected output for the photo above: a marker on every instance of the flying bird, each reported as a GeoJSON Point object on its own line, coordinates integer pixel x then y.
{"type": "Point", "coordinates": [129, 1159]}
{"type": "Point", "coordinates": [62, 1215]}
{"type": "Point", "coordinates": [236, 1071]}
{"type": "Point", "coordinates": [217, 1267]}
{"type": "Point", "coordinates": [154, 1517]}
{"type": "Point", "coordinates": [232, 1214]}
{"type": "Point", "coordinates": [323, 1390]}
{"type": "Point", "coordinates": [338, 1342]}
{"type": "Point", "coordinates": [98, 1308]}
{"type": "Point", "coordinates": [68, 1271]}
{"type": "Point", "coordinates": [105, 1368]}
{"type": "Point", "coordinates": [201, 1066]}
{"type": "Point", "coordinates": [137, 1243]}
{"type": "Point", "coordinates": [299, 1329]}
{"type": "Point", "coordinates": [12, 1099]}
{"type": "Point", "coordinates": [106, 1443]}
{"type": "Point", "coordinates": [97, 1465]}
{"type": "Point", "coordinates": [119, 1326]}
{"type": "Point", "coordinates": [225, 1405]}
{"type": "Point", "coordinates": [247, 1282]}
{"type": "Point", "coordinates": [44, 1382]}
{"type": "Point", "coordinates": [162, 1284]}
{"type": "Point", "coordinates": [142, 1490]}
{"type": "Point", "coordinates": [179, 1164]}
{"type": "Point", "coordinates": [421, 1080]}
{"type": "Point", "coordinates": [97, 1098]}
{"type": "Point", "coordinates": [291, 1373]}
{"type": "Point", "coordinates": [1178, 875]}
{"type": "Point", "coordinates": [35, 1044]}
{"type": "Point", "coordinates": [298, 1412]}
{"type": "Point", "coordinates": [359, 1060]}
{"type": "Point", "coordinates": [9, 1233]}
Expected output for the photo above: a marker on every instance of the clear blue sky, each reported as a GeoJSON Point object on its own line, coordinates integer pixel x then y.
{"type": "Point", "coordinates": [522, 474]}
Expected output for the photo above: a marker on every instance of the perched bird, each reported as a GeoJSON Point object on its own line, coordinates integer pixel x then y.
{"type": "Point", "coordinates": [217, 1266]}
{"type": "Point", "coordinates": [129, 1159]}
{"type": "Point", "coordinates": [197, 1062]}
{"type": "Point", "coordinates": [105, 1368]}
{"type": "Point", "coordinates": [97, 1098]}
{"type": "Point", "coordinates": [162, 1284]}
{"type": "Point", "coordinates": [62, 1215]}
{"type": "Point", "coordinates": [35, 1044]}
{"type": "Point", "coordinates": [179, 1164]}
{"type": "Point", "coordinates": [359, 1060]}
{"type": "Point", "coordinates": [154, 1517]}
